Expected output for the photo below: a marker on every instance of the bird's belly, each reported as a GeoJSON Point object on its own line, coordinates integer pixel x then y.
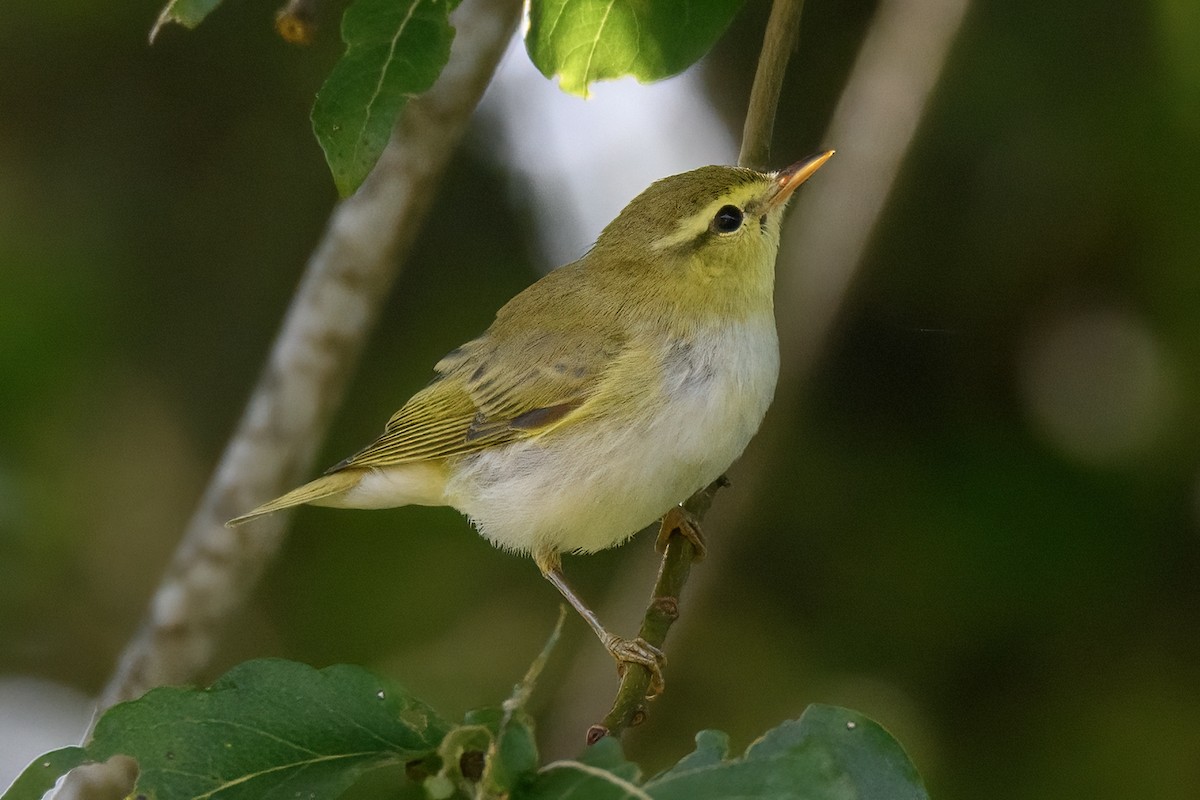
{"type": "Point", "coordinates": [593, 484]}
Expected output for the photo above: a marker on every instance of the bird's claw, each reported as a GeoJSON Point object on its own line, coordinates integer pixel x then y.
{"type": "Point", "coordinates": [682, 522]}
{"type": "Point", "coordinates": [639, 651]}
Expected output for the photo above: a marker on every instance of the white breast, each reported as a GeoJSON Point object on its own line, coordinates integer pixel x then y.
{"type": "Point", "coordinates": [595, 485]}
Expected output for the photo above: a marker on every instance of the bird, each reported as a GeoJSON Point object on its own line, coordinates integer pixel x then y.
{"type": "Point", "coordinates": [602, 395]}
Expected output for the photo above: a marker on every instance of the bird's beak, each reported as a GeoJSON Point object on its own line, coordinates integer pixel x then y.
{"type": "Point", "coordinates": [787, 180]}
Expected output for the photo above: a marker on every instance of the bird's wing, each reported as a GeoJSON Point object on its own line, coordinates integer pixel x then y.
{"type": "Point", "coordinates": [493, 390]}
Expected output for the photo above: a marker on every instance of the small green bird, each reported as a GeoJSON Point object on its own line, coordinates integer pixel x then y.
{"type": "Point", "coordinates": [604, 394]}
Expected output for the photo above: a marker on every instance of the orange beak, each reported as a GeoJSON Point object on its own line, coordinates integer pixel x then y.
{"type": "Point", "coordinates": [787, 180]}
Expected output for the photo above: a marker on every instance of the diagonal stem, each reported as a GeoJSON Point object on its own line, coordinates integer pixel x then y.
{"type": "Point", "coordinates": [629, 707]}
{"type": "Point", "coordinates": [783, 29]}
{"type": "Point", "coordinates": [875, 121]}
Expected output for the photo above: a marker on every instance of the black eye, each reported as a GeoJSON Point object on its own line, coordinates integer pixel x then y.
{"type": "Point", "coordinates": [727, 220]}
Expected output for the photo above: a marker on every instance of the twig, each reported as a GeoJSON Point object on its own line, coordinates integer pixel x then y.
{"type": "Point", "coordinates": [629, 707]}
{"type": "Point", "coordinates": [873, 126]}
{"type": "Point", "coordinates": [347, 279]}
{"type": "Point", "coordinates": [783, 27]}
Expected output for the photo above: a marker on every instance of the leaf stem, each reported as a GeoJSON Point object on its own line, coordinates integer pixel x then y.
{"type": "Point", "coordinates": [629, 706]}
{"type": "Point", "coordinates": [783, 28]}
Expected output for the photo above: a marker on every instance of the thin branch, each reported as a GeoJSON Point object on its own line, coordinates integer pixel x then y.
{"type": "Point", "coordinates": [783, 28]}
{"type": "Point", "coordinates": [346, 281]}
{"type": "Point", "coordinates": [629, 707]}
{"type": "Point", "coordinates": [873, 126]}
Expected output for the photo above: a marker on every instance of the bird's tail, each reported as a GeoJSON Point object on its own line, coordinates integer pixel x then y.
{"type": "Point", "coordinates": [325, 486]}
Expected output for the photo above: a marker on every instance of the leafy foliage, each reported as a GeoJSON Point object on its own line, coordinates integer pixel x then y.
{"type": "Point", "coordinates": [831, 752]}
{"type": "Point", "coordinates": [394, 50]}
{"type": "Point", "coordinates": [584, 41]}
{"type": "Point", "coordinates": [268, 729]}
{"type": "Point", "coordinates": [828, 753]}
{"type": "Point", "coordinates": [275, 729]}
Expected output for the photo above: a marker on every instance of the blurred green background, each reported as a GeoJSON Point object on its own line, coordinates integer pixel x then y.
{"type": "Point", "coordinates": [980, 524]}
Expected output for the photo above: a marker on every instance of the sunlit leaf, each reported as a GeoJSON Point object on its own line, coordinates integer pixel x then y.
{"type": "Point", "coordinates": [584, 41]}
{"type": "Point", "coordinates": [394, 49]}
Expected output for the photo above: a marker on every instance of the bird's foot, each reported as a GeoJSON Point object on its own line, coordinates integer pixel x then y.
{"type": "Point", "coordinates": [638, 651]}
{"type": "Point", "coordinates": [680, 521]}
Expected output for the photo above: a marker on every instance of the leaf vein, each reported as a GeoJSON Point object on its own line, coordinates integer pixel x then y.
{"type": "Point", "coordinates": [587, 70]}
{"type": "Point", "coordinates": [378, 90]}
{"type": "Point", "coordinates": [347, 717]}
{"type": "Point", "coordinates": [629, 788]}
{"type": "Point", "coordinates": [258, 731]}
{"type": "Point", "coordinates": [281, 767]}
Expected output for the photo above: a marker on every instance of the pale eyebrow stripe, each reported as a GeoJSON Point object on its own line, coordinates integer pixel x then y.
{"type": "Point", "coordinates": [686, 231]}
{"type": "Point", "coordinates": [697, 224]}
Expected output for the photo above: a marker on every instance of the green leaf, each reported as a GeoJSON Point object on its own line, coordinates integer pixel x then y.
{"type": "Point", "coordinates": [188, 13]}
{"type": "Point", "coordinates": [828, 754]}
{"type": "Point", "coordinates": [277, 730]}
{"type": "Point", "coordinates": [394, 50]}
{"type": "Point", "coordinates": [514, 755]}
{"type": "Point", "coordinates": [40, 776]}
{"type": "Point", "coordinates": [712, 747]}
{"type": "Point", "coordinates": [584, 41]}
{"type": "Point", "coordinates": [267, 730]}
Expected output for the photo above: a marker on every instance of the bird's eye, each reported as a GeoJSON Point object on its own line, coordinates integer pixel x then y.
{"type": "Point", "coordinates": [727, 220]}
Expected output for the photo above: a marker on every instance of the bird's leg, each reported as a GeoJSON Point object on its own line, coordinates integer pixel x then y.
{"type": "Point", "coordinates": [625, 651]}
{"type": "Point", "coordinates": [680, 520]}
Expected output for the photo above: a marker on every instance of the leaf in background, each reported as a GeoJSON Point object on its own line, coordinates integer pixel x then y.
{"type": "Point", "coordinates": [829, 753]}
{"type": "Point", "coordinates": [583, 41]}
{"type": "Point", "coordinates": [601, 774]}
{"type": "Point", "coordinates": [513, 756]}
{"type": "Point", "coordinates": [188, 13]}
{"type": "Point", "coordinates": [394, 49]}
{"type": "Point", "coordinates": [269, 729]}
{"type": "Point", "coordinates": [40, 776]}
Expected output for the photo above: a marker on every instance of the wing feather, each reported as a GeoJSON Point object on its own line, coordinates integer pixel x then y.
{"type": "Point", "coordinates": [494, 390]}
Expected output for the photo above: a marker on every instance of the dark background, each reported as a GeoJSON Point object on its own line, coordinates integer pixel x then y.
{"type": "Point", "coordinates": [978, 522]}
